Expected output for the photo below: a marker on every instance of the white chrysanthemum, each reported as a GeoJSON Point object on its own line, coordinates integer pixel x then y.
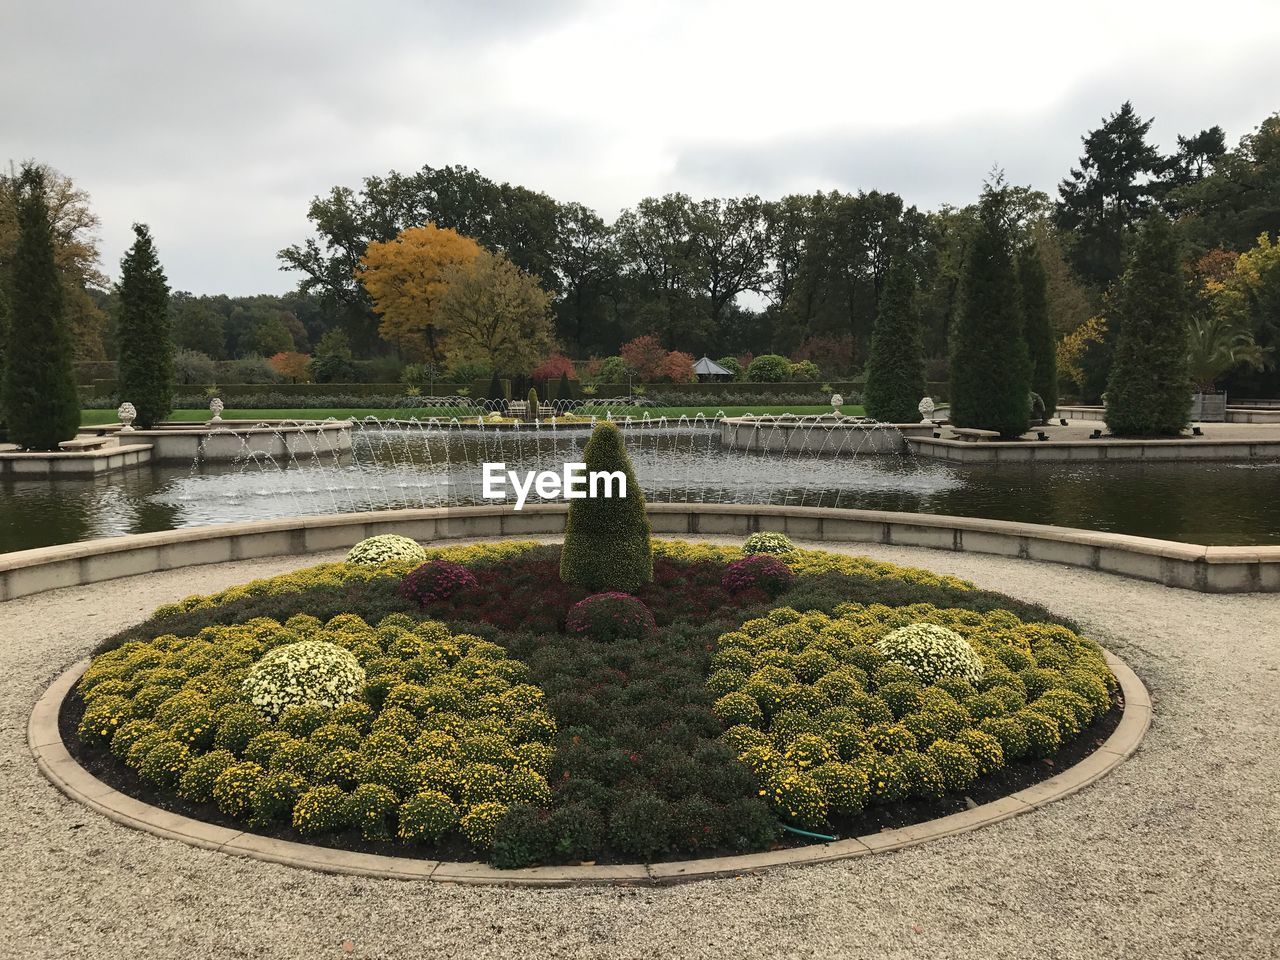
{"type": "Point", "coordinates": [768, 543]}
{"type": "Point", "coordinates": [311, 671]}
{"type": "Point", "coordinates": [385, 549]}
{"type": "Point", "coordinates": [931, 652]}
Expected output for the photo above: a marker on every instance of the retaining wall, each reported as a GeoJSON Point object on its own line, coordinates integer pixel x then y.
{"type": "Point", "coordinates": [1184, 565]}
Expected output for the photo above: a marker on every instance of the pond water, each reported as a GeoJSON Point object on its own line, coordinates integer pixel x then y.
{"type": "Point", "coordinates": [1213, 503]}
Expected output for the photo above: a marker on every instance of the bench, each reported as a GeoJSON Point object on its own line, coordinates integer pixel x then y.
{"type": "Point", "coordinates": [973, 435]}
{"type": "Point", "coordinates": [86, 443]}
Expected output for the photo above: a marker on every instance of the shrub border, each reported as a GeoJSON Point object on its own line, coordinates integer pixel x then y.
{"type": "Point", "coordinates": [61, 769]}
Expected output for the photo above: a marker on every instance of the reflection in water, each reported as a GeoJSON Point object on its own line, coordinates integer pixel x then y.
{"type": "Point", "coordinates": [1196, 502]}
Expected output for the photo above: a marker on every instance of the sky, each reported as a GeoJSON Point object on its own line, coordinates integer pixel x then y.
{"type": "Point", "coordinates": [217, 122]}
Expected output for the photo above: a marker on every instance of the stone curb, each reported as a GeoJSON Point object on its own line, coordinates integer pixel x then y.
{"type": "Point", "coordinates": [1228, 569]}
{"type": "Point", "coordinates": [58, 766]}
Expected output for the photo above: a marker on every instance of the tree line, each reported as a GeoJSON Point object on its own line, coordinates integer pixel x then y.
{"type": "Point", "coordinates": [677, 267]}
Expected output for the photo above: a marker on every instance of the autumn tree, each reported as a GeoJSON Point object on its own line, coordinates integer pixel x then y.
{"type": "Point", "coordinates": [644, 356]}
{"type": "Point", "coordinates": [407, 278]}
{"type": "Point", "coordinates": [74, 228]}
{"type": "Point", "coordinates": [291, 365]}
{"type": "Point", "coordinates": [490, 311]}
{"type": "Point", "coordinates": [40, 401]}
{"type": "Point", "coordinates": [142, 327]}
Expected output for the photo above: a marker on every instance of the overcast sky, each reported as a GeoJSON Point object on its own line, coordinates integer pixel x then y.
{"type": "Point", "coordinates": [217, 122]}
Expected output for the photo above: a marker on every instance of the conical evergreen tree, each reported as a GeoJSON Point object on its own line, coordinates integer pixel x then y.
{"type": "Point", "coordinates": [146, 347]}
{"type": "Point", "coordinates": [40, 397]}
{"type": "Point", "coordinates": [1039, 333]}
{"type": "Point", "coordinates": [895, 366]}
{"type": "Point", "coordinates": [1149, 389]}
{"type": "Point", "coordinates": [606, 541]}
{"type": "Point", "coordinates": [990, 368]}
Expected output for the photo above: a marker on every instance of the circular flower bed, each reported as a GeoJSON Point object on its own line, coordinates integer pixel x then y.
{"type": "Point", "coordinates": [465, 702]}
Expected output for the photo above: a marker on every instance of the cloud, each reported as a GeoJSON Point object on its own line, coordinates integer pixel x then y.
{"type": "Point", "coordinates": [216, 123]}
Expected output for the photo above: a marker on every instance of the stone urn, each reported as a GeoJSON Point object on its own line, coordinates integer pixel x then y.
{"type": "Point", "coordinates": [836, 402]}
{"type": "Point", "coordinates": [926, 409]}
{"type": "Point", "coordinates": [216, 407]}
{"type": "Point", "coordinates": [127, 413]}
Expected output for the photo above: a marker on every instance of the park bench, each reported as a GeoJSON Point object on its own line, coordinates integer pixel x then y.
{"type": "Point", "coordinates": [81, 444]}
{"type": "Point", "coordinates": [974, 435]}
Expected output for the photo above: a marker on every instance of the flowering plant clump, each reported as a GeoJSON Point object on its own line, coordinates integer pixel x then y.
{"type": "Point", "coordinates": [387, 548]}
{"type": "Point", "coordinates": [307, 672]}
{"type": "Point", "coordinates": [877, 704]}
{"type": "Point", "coordinates": [758, 571]}
{"type": "Point", "coordinates": [931, 652]}
{"type": "Point", "coordinates": [435, 580]}
{"type": "Point", "coordinates": [768, 543]}
{"type": "Point", "coordinates": [400, 729]}
{"type": "Point", "coordinates": [610, 616]}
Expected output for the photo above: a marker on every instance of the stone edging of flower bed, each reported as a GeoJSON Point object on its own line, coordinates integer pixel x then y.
{"type": "Point", "coordinates": [61, 769]}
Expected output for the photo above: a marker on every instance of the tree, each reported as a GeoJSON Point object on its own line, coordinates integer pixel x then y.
{"type": "Point", "coordinates": [677, 367]}
{"type": "Point", "coordinates": [586, 260]}
{"type": "Point", "coordinates": [1216, 346]}
{"type": "Point", "coordinates": [1148, 393]}
{"type": "Point", "coordinates": [732, 365]}
{"type": "Point", "coordinates": [332, 362]}
{"type": "Point", "coordinates": [504, 218]}
{"type": "Point", "coordinates": [492, 312]}
{"type": "Point", "coordinates": [554, 366]}
{"type": "Point", "coordinates": [142, 327]}
{"type": "Point", "coordinates": [895, 366]}
{"type": "Point", "coordinates": [769, 368]}
{"type": "Point", "coordinates": [990, 367]}
{"type": "Point", "coordinates": [196, 325]}
{"type": "Point", "coordinates": [40, 398]}
{"type": "Point", "coordinates": [291, 365]}
{"type": "Point", "coordinates": [75, 242]}
{"type": "Point", "coordinates": [271, 336]}
{"type": "Point", "coordinates": [407, 278]}
{"type": "Point", "coordinates": [606, 540]}
{"type": "Point", "coordinates": [1248, 299]}
{"type": "Point", "coordinates": [1195, 158]}
{"type": "Point", "coordinates": [1074, 346]}
{"type": "Point", "coordinates": [1239, 199]}
{"type": "Point", "coordinates": [1038, 329]}
{"type": "Point", "coordinates": [645, 357]}
{"type": "Point", "coordinates": [1104, 199]}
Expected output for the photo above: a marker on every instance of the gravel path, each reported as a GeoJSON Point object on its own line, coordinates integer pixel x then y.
{"type": "Point", "coordinates": [1176, 854]}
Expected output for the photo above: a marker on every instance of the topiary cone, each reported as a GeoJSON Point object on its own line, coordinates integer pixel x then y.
{"type": "Point", "coordinates": [606, 541]}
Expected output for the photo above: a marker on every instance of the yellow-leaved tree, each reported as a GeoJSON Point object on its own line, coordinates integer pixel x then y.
{"type": "Point", "coordinates": [494, 313]}
{"type": "Point", "coordinates": [407, 278]}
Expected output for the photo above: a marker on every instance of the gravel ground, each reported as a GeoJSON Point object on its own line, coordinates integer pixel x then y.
{"type": "Point", "coordinates": [1175, 854]}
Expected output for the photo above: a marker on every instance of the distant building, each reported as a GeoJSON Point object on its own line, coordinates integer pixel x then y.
{"type": "Point", "coordinates": [708, 369]}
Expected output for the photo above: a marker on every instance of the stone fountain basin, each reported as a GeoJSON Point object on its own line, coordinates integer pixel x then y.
{"type": "Point", "coordinates": [826, 434]}
{"type": "Point", "coordinates": [187, 441]}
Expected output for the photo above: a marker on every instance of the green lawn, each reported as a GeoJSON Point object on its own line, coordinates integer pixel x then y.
{"type": "Point", "coordinates": [93, 417]}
